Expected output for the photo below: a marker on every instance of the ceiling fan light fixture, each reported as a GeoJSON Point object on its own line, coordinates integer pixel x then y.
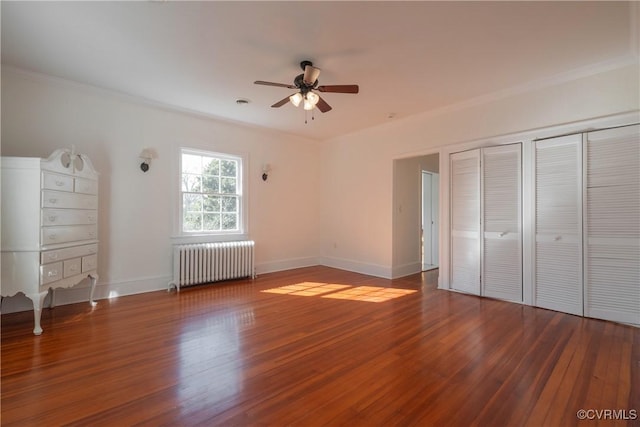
{"type": "Point", "coordinates": [308, 105]}
{"type": "Point", "coordinates": [312, 98]}
{"type": "Point", "coordinates": [296, 98]}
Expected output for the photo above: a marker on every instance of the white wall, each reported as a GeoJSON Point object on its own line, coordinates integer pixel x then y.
{"type": "Point", "coordinates": [357, 208]}
{"type": "Point", "coordinates": [136, 212]}
{"type": "Point", "coordinates": [328, 202]}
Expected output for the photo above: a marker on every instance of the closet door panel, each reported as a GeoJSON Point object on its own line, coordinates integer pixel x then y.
{"type": "Point", "coordinates": [465, 221]}
{"type": "Point", "coordinates": [612, 224]}
{"type": "Point", "coordinates": [502, 223]}
{"type": "Point", "coordinates": [558, 247]}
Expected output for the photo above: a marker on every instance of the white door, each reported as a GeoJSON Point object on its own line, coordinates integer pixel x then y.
{"type": "Point", "coordinates": [465, 221]}
{"type": "Point", "coordinates": [558, 247]}
{"type": "Point", "coordinates": [427, 219]}
{"type": "Point", "coordinates": [612, 224]}
{"type": "Point", "coordinates": [502, 222]}
{"type": "Point", "coordinates": [430, 224]}
{"type": "Point", "coordinates": [435, 219]}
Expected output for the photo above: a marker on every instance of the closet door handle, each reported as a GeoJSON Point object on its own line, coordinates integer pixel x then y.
{"type": "Point", "coordinates": [557, 238]}
{"type": "Point", "coordinates": [504, 233]}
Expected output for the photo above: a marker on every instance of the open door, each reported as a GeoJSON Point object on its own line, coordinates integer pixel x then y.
{"type": "Point", "coordinates": [430, 224]}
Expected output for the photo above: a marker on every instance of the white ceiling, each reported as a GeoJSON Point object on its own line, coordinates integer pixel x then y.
{"type": "Point", "coordinates": [407, 57]}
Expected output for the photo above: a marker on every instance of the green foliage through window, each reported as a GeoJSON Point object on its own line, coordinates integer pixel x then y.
{"type": "Point", "coordinates": [211, 193]}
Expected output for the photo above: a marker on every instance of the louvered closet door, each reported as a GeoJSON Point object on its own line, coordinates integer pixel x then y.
{"type": "Point", "coordinates": [612, 225]}
{"type": "Point", "coordinates": [558, 248]}
{"type": "Point", "coordinates": [465, 221]}
{"type": "Point", "coordinates": [502, 222]}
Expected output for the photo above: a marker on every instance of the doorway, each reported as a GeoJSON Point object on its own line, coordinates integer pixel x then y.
{"type": "Point", "coordinates": [408, 231]}
{"type": "Point", "coordinates": [430, 209]}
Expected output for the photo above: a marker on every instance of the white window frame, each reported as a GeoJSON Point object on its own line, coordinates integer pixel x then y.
{"type": "Point", "coordinates": [222, 235]}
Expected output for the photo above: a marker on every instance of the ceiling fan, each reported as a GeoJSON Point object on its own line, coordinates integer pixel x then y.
{"type": "Point", "coordinates": [306, 83]}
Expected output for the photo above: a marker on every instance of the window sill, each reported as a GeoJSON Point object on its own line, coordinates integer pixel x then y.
{"type": "Point", "coordinates": [207, 238]}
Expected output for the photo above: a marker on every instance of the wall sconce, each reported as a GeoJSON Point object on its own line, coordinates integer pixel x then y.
{"type": "Point", "coordinates": [146, 156]}
{"type": "Point", "coordinates": [266, 168]}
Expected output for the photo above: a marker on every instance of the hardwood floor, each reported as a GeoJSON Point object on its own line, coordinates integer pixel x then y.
{"type": "Point", "coordinates": [232, 354]}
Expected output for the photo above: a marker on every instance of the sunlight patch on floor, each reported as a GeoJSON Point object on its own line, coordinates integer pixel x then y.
{"type": "Point", "coordinates": [370, 293]}
{"type": "Point", "coordinates": [306, 289]}
{"type": "Point", "coordinates": [337, 291]}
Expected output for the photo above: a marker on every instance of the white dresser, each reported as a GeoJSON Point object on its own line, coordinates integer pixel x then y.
{"type": "Point", "coordinates": [49, 225]}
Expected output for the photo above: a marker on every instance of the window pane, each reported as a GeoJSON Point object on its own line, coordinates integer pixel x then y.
{"type": "Point", "coordinates": [210, 184]}
{"type": "Point", "coordinates": [210, 166]}
{"type": "Point", "coordinates": [191, 163]}
{"type": "Point", "coordinates": [191, 203]}
{"type": "Point", "coordinates": [228, 185]}
{"type": "Point", "coordinates": [211, 222]}
{"type": "Point", "coordinates": [192, 222]}
{"type": "Point", "coordinates": [229, 204]}
{"type": "Point", "coordinates": [191, 183]}
{"type": "Point", "coordinates": [229, 221]}
{"type": "Point", "coordinates": [228, 168]}
{"type": "Point", "coordinates": [211, 203]}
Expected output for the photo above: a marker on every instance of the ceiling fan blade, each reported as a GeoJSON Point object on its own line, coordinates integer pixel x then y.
{"type": "Point", "coordinates": [322, 105]}
{"type": "Point", "coordinates": [339, 88]}
{"type": "Point", "coordinates": [280, 103]}
{"type": "Point", "coordinates": [260, 82]}
{"type": "Point", "coordinates": [311, 74]}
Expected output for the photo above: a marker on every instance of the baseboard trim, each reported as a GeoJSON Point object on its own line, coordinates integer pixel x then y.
{"type": "Point", "coordinates": [107, 290]}
{"type": "Point", "coordinates": [80, 293]}
{"type": "Point", "coordinates": [407, 269]}
{"type": "Point", "coordinates": [357, 267]}
{"type": "Point", "coordinates": [286, 264]}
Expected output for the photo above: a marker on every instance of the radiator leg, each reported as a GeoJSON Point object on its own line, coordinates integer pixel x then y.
{"type": "Point", "coordinates": [172, 286]}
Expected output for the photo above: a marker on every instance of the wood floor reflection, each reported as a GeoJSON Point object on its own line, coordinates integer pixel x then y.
{"type": "Point", "coordinates": [330, 348]}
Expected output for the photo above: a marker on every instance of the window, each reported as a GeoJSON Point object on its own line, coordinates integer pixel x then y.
{"type": "Point", "coordinates": [211, 192]}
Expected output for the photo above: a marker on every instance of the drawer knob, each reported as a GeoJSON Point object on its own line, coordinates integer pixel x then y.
{"type": "Point", "coordinates": [53, 236]}
{"type": "Point", "coordinates": [59, 183]}
{"type": "Point", "coordinates": [73, 268]}
{"type": "Point", "coordinates": [52, 273]}
{"type": "Point", "coordinates": [52, 218]}
{"type": "Point", "coordinates": [53, 201]}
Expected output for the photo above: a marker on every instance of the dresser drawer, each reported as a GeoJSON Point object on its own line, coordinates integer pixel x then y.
{"type": "Point", "coordinates": [50, 273]}
{"type": "Point", "coordinates": [47, 257]}
{"type": "Point", "coordinates": [58, 199]}
{"type": "Point", "coordinates": [70, 233]}
{"type": "Point", "coordinates": [86, 186]}
{"type": "Point", "coordinates": [53, 181]}
{"type": "Point", "coordinates": [69, 217]}
{"type": "Point", "coordinates": [72, 267]}
{"type": "Point", "coordinates": [89, 263]}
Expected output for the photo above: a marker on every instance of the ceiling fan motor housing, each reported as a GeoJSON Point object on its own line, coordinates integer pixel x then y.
{"type": "Point", "coordinates": [300, 84]}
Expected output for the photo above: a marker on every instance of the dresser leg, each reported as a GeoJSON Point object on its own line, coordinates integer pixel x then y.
{"type": "Point", "coordinates": [37, 300]}
{"type": "Point", "coordinates": [94, 279]}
